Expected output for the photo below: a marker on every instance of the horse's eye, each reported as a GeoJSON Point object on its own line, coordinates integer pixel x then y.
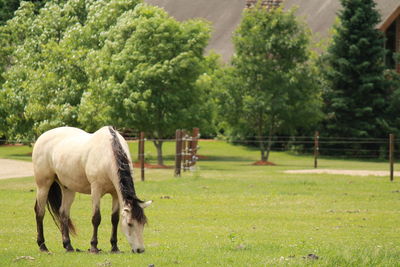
{"type": "Point", "coordinates": [130, 225]}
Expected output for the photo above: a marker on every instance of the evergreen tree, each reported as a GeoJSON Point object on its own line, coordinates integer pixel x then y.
{"type": "Point", "coordinates": [356, 97]}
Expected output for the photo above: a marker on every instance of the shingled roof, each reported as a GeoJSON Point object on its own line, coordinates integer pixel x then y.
{"type": "Point", "coordinates": [225, 15]}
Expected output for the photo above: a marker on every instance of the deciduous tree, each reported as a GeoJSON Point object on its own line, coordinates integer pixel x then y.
{"type": "Point", "coordinates": [145, 75]}
{"type": "Point", "coordinates": [273, 84]}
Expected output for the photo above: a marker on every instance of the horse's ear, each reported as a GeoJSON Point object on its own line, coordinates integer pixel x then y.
{"type": "Point", "coordinates": [145, 204]}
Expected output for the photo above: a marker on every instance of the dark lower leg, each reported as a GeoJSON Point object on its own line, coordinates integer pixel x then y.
{"type": "Point", "coordinates": [96, 219]}
{"type": "Point", "coordinates": [113, 240]}
{"type": "Point", "coordinates": [39, 224]}
{"type": "Point", "coordinates": [65, 232]}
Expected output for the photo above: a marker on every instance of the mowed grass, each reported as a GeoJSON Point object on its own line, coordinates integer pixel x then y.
{"type": "Point", "coordinates": [226, 213]}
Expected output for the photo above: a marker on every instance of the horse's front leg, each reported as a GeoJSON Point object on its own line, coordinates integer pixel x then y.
{"type": "Point", "coordinates": [114, 221]}
{"type": "Point", "coordinates": [66, 224]}
{"type": "Point", "coordinates": [96, 219]}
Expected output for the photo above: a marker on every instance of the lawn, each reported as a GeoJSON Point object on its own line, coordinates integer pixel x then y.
{"type": "Point", "coordinates": [226, 213]}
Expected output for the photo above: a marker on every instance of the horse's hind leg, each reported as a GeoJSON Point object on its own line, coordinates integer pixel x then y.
{"type": "Point", "coordinates": [40, 208]}
{"type": "Point", "coordinates": [68, 197]}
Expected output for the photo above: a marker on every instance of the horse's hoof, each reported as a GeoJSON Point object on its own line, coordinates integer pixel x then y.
{"type": "Point", "coordinates": [43, 248]}
{"type": "Point", "coordinates": [116, 251]}
{"type": "Point", "coordinates": [94, 250]}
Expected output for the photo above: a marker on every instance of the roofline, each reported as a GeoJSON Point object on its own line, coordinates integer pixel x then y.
{"type": "Point", "coordinates": [389, 20]}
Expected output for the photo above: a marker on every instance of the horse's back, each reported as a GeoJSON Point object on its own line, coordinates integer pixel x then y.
{"type": "Point", "coordinates": [77, 158]}
{"type": "Point", "coordinates": [51, 147]}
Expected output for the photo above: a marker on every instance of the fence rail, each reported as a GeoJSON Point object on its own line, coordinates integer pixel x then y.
{"type": "Point", "coordinates": [319, 146]}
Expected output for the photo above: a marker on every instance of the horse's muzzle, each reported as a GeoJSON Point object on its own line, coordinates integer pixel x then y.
{"type": "Point", "coordinates": [138, 250]}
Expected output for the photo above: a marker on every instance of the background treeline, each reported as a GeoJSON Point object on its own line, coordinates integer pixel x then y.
{"type": "Point", "coordinates": [122, 62]}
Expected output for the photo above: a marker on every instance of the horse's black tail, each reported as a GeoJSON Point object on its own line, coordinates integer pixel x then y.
{"type": "Point", "coordinates": [53, 205]}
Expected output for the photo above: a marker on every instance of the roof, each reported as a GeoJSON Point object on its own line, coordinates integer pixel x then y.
{"type": "Point", "coordinates": [225, 15]}
{"type": "Point", "coordinates": [320, 15]}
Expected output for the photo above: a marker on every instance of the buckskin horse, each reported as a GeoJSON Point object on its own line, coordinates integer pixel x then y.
{"type": "Point", "coordinates": [67, 160]}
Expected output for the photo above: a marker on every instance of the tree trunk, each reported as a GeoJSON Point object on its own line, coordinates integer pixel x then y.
{"type": "Point", "coordinates": [262, 146]}
{"type": "Point", "coordinates": [270, 134]}
{"type": "Point", "coordinates": [158, 145]}
{"type": "Point", "coordinates": [261, 135]}
{"type": "Point", "coordinates": [269, 144]}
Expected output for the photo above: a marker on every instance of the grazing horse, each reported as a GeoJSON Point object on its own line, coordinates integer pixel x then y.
{"type": "Point", "coordinates": [68, 160]}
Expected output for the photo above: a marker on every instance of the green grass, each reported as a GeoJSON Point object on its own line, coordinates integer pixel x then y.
{"type": "Point", "coordinates": [16, 152]}
{"type": "Point", "coordinates": [227, 213]}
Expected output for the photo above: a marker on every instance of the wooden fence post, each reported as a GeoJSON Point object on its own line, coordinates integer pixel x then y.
{"type": "Point", "coordinates": [193, 145]}
{"type": "Point", "coordinates": [184, 149]}
{"type": "Point", "coordinates": [141, 155]}
{"type": "Point", "coordinates": [316, 149]}
{"type": "Point", "coordinates": [391, 157]}
{"type": "Point", "coordinates": [178, 153]}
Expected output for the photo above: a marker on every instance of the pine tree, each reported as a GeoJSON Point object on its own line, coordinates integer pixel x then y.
{"type": "Point", "coordinates": [355, 100]}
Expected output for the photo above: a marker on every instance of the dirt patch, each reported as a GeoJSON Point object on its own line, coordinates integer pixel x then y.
{"type": "Point", "coordinates": [15, 168]}
{"type": "Point", "coordinates": [152, 166]}
{"type": "Point", "coordinates": [264, 163]}
{"type": "Point", "coordinates": [343, 172]}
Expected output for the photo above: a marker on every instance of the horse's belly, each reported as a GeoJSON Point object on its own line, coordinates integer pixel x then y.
{"type": "Point", "coordinates": [76, 183]}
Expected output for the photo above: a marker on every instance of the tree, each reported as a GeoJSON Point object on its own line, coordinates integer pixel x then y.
{"type": "Point", "coordinates": [44, 78]}
{"type": "Point", "coordinates": [89, 63]}
{"type": "Point", "coordinates": [355, 101]}
{"type": "Point", "coordinates": [43, 62]}
{"type": "Point", "coordinates": [144, 77]}
{"type": "Point", "coordinates": [394, 100]}
{"type": "Point", "coordinates": [12, 99]}
{"type": "Point", "coordinates": [272, 85]}
{"type": "Point", "coordinates": [8, 7]}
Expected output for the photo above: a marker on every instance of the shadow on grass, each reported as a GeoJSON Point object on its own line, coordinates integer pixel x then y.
{"type": "Point", "coordinates": [19, 156]}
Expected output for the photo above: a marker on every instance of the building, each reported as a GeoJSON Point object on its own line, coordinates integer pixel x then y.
{"type": "Point", "coordinates": [320, 15]}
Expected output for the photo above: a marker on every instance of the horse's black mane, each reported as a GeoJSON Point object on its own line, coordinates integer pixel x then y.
{"type": "Point", "coordinates": [125, 179]}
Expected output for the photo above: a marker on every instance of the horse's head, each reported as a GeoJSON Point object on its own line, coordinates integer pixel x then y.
{"type": "Point", "coordinates": [133, 221]}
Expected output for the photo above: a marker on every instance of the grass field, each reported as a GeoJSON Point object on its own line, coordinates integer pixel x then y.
{"type": "Point", "coordinates": [227, 213]}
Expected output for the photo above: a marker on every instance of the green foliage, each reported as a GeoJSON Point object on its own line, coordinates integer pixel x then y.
{"type": "Point", "coordinates": [13, 99]}
{"type": "Point", "coordinates": [89, 63]}
{"type": "Point", "coordinates": [45, 78]}
{"type": "Point", "coordinates": [393, 101]}
{"type": "Point", "coordinates": [8, 7]}
{"type": "Point", "coordinates": [144, 77]}
{"type": "Point", "coordinates": [356, 98]}
{"type": "Point", "coordinates": [273, 83]}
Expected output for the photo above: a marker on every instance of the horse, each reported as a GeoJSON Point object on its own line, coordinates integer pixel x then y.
{"type": "Point", "coordinates": [67, 160]}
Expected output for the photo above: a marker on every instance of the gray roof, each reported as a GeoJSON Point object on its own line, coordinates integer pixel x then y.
{"type": "Point", "coordinates": [225, 15]}
{"type": "Point", "coordinates": [320, 15]}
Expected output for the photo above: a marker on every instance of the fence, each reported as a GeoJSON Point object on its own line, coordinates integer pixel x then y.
{"type": "Point", "coordinates": [185, 153]}
{"type": "Point", "coordinates": [346, 147]}
{"type": "Point", "coordinates": [186, 148]}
